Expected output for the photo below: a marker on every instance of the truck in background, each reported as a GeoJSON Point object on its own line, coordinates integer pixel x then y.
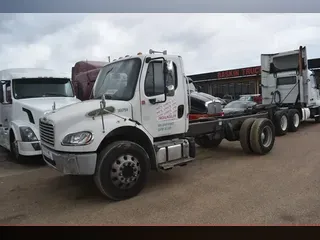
{"type": "Point", "coordinates": [289, 89]}
{"type": "Point", "coordinates": [83, 75]}
{"type": "Point", "coordinates": [142, 124]}
{"type": "Point", "coordinates": [25, 95]}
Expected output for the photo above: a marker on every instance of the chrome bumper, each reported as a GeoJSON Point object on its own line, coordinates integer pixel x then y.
{"type": "Point", "coordinates": [70, 163]}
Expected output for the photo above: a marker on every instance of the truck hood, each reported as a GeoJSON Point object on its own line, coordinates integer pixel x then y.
{"type": "Point", "coordinates": [45, 104]}
{"type": "Point", "coordinates": [81, 109]}
{"type": "Point", "coordinates": [39, 106]}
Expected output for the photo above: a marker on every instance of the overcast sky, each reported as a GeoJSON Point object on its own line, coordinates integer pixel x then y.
{"type": "Point", "coordinates": [206, 42]}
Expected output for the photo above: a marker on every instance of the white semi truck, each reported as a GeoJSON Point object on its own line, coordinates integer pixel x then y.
{"type": "Point", "coordinates": [289, 89]}
{"type": "Point", "coordinates": [26, 94]}
{"type": "Point", "coordinates": [142, 124]}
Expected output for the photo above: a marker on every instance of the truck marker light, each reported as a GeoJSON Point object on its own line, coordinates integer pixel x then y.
{"type": "Point", "coordinates": [143, 102]}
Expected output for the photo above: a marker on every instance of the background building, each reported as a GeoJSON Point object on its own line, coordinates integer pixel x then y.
{"type": "Point", "coordinates": [236, 82]}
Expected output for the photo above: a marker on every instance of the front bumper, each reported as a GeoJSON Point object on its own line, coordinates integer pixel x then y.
{"type": "Point", "coordinates": [70, 163]}
{"type": "Point", "coordinates": [29, 148]}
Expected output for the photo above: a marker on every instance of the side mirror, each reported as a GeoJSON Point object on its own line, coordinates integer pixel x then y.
{"type": "Point", "coordinates": [170, 90]}
{"type": "Point", "coordinates": [168, 67]}
{"type": "Point", "coordinates": [168, 77]}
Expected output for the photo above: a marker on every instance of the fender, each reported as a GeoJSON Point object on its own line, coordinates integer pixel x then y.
{"type": "Point", "coordinates": [14, 126]}
{"type": "Point", "coordinates": [135, 134]}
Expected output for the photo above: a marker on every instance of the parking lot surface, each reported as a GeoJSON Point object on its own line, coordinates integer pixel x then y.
{"type": "Point", "coordinates": [223, 186]}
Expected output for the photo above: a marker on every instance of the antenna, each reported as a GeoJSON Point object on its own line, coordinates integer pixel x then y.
{"type": "Point", "coordinates": [102, 107]}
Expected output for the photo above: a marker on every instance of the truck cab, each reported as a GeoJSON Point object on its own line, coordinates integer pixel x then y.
{"type": "Point", "coordinates": [26, 94]}
{"type": "Point", "coordinates": [291, 87]}
{"type": "Point", "coordinates": [145, 114]}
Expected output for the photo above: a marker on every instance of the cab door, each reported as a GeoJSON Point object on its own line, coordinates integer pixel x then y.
{"type": "Point", "coordinates": [161, 115]}
{"type": "Point", "coordinates": [5, 113]}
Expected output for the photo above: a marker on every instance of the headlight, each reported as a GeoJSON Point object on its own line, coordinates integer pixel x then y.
{"type": "Point", "coordinates": [77, 139]}
{"type": "Point", "coordinates": [27, 135]}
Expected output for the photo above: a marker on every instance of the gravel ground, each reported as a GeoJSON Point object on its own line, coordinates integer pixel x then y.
{"type": "Point", "coordinates": [223, 186]}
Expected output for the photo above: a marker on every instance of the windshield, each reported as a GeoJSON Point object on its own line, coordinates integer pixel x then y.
{"type": "Point", "coordinates": [192, 88]}
{"type": "Point", "coordinates": [42, 87]}
{"type": "Point", "coordinates": [236, 105]}
{"type": "Point", "coordinates": [117, 81]}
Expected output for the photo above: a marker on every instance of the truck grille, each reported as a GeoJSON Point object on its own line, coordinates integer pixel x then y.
{"type": "Point", "coordinates": [46, 132]}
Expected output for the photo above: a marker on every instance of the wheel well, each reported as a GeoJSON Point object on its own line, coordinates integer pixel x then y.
{"type": "Point", "coordinates": [11, 135]}
{"type": "Point", "coordinates": [134, 135]}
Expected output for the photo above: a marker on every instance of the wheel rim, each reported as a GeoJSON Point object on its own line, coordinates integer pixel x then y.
{"type": "Point", "coordinates": [296, 120]}
{"type": "Point", "coordinates": [266, 136]}
{"type": "Point", "coordinates": [125, 171]}
{"type": "Point", "coordinates": [283, 123]}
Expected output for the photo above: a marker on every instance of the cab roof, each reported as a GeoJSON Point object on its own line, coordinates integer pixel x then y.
{"type": "Point", "coordinates": [142, 57]}
{"type": "Point", "coordinates": [18, 73]}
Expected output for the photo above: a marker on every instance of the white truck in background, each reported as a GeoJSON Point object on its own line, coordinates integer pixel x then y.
{"type": "Point", "coordinates": [289, 89]}
{"type": "Point", "coordinates": [26, 94]}
{"type": "Point", "coordinates": [142, 124]}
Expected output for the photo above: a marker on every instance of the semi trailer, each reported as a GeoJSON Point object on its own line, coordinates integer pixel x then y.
{"type": "Point", "coordinates": [142, 124]}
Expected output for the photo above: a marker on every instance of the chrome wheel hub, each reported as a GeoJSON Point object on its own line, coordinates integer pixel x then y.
{"type": "Point", "coordinates": [125, 171]}
{"type": "Point", "coordinates": [284, 123]}
{"type": "Point", "coordinates": [266, 136]}
{"type": "Point", "coordinates": [296, 120]}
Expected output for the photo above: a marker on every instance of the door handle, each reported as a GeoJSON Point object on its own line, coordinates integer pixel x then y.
{"type": "Point", "coordinates": [180, 111]}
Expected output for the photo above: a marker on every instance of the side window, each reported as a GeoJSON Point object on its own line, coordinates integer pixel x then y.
{"type": "Point", "coordinates": [154, 83]}
{"type": "Point", "coordinates": [8, 92]}
{"type": "Point", "coordinates": [286, 80]}
{"type": "Point", "coordinates": [1, 93]}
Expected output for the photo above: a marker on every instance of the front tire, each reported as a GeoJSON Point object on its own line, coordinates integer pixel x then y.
{"type": "Point", "coordinates": [122, 170]}
{"type": "Point", "coordinates": [14, 151]}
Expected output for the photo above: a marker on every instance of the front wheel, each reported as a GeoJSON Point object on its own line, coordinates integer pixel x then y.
{"type": "Point", "coordinates": [14, 150]}
{"type": "Point", "coordinates": [122, 170]}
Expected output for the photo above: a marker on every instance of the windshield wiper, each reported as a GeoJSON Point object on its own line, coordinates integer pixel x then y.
{"type": "Point", "coordinates": [107, 96]}
{"type": "Point", "coordinates": [54, 94]}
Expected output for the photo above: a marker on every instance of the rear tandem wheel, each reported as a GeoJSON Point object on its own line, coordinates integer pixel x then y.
{"type": "Point", "coordinates": [257, 136]}
{"type": "Point", "coordinates": [262, 136]}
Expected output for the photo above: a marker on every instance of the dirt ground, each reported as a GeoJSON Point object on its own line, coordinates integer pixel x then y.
{"type": "Point", "coordinates": [223, 186]}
